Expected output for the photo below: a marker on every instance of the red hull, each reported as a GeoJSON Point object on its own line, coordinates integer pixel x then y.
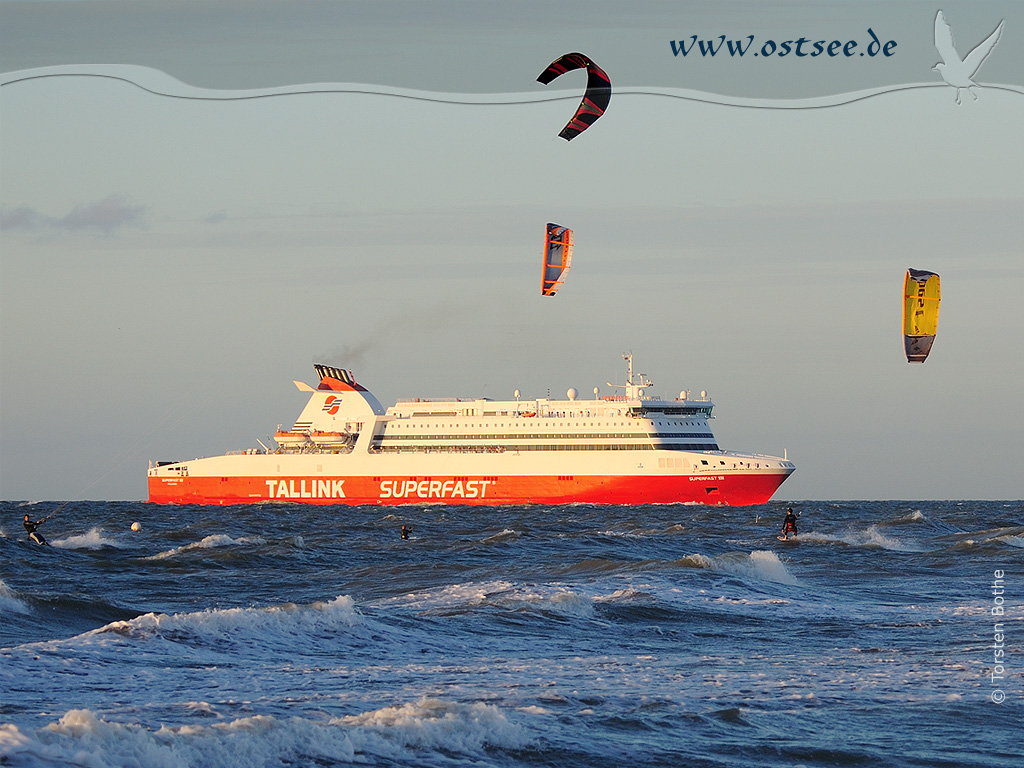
{"type": "Point", "coordinates": [731, 489]}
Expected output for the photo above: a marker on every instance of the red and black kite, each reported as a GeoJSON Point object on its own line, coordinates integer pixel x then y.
{"type": "Point", "coordinates": [595, 99]}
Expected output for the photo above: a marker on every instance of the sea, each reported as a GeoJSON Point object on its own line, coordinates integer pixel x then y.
{"type": "Point", "coordinates": [888, 633]}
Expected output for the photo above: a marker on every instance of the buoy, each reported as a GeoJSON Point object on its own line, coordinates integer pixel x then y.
{"type": "Point", "coordinates": [136, 526]}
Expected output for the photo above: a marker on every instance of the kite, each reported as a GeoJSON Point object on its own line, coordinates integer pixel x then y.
{"type": "Point", "coordinates": [920, 313]}
{"type": "Point", "coordinates": [557, 257]}
{"type": "Point", "coordinates": [595, 99]}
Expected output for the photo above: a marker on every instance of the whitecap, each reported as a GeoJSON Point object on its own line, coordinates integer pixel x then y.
{"type": "Point", "coordinates": [9, 602]}
{"type": "Point", "coordinates": [871, 537]}
{"type": "Point", "coordinates": [508, 533]}
{"type": "Point", "coordinates": [533, 709]}
{"type": "Point", "coordinates": [209, 542]}
{"type": "Point", "coordinates": [569, 603]}
{"type": "Point", "coordinates": [625, 594]}
{"type": "Point", "coordinates": [550, 598]}
{"type": "Point", "coordinates": [93, 539]}
{"type": "Point", "coordinates": [917, 516]}
{"type": "Point", "coordinates": [431, 723]}
{"type": "Point", "coordinates": [217, 627]}
{"type": "Point", "coordinates": [696, 561]}
{"type": "Point", "coordinates": [759, 564]}
{"type": "Point", "coordinates": [451, 596]}
{"type": "Point", "coordinates": [81, 737]}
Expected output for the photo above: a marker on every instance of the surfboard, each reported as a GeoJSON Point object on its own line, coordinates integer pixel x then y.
{"type": "Point", "coordinates": [784, 538]}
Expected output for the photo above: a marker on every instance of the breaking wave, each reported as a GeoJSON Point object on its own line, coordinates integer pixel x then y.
{"type": "Point", "coordinates": [504, 535]}
{"type": "Point", "coordinates": [210, 542]}
{"type": "Point", "coordinates": [763, 565]}
{"type": "Point", "coordinates": [871, 537]}
{"type": "Point", "coordinates": [549, 599]}
{"type": "Point", "coordinates": [9, 602]}
{"type": "Point", "coordinates": [93, 539]}
{"type": "Point", "coordinates": [399, 733]}
{"type": "Point", "coordinates": [220, 628]}
{"type": "Point", "coordinates": [430, 723]}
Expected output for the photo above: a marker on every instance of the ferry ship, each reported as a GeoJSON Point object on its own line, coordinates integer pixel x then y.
{"type": "Point", "coordinates": [346, 448]}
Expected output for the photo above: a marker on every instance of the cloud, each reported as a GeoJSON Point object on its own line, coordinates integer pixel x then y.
{"type": "Point", "coordinates": [107, 216]}
{"type": "Point", "coordinates": [21, 217]}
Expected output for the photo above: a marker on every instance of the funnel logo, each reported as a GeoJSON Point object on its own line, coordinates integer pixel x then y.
{"type": "Point", "coordinates": [332, 404]}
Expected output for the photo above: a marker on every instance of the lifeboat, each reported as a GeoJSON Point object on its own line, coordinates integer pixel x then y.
{"type": "Point", "coordinates": [328, 439]}
{"type": "Point", "coordinates": [291, 439]}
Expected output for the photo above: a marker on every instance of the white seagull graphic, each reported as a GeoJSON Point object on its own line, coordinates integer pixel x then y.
{"type": "Point", "coordinates": [955, 71]}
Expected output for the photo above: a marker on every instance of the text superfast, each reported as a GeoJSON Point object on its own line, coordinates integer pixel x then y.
{"type": "Point", "coordinates": [308, 488]}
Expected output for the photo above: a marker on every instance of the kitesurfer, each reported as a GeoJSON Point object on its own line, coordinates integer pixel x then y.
{"type": "Point", "coordinates": [406, 530]}
{"type": "Point", "coordinates": [789, 524]}
{"type": "Point", "coordinates": [31, 528]}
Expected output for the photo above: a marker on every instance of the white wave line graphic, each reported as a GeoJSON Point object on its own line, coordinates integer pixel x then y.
{"type": "Point", "coordinates": [160, 83]}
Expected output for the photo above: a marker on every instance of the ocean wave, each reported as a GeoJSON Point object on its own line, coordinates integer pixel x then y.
{"type": "Point", "coordinates": [220, 627]}
{"type": "Point", "coordinates": [9, 602]}
{"type": "Point", "coordinates": [81, 737]}
{"type": "Point", "coordinates": [762, 565]}
{"type": "Point", "coordinates": [93, 539]}
{"type": "Point", "coordinates": [210, 542]}
{"type": "Point", "coordinates": [430, 723]}
{"type": "Point", "coordinates": [398, 733]}
{"type": "Point", "coordinates": [695, 561]}
{"type": "Point", "coordinates": [621, 595]}
{"type": "Point", "coordinates": [917, 516]}
{"type": "Point", "coordinates": [451, 596]}
{"type": "Point", "coordinates": [870, 537]}
{"type": "Point", "coordinates": [504, 535]}
{"type": "Point", "coordinates": [556, 599]}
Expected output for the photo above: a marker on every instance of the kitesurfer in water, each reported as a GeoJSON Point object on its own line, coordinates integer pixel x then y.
{"type": "Point", "coordinates": [405, 531]}
{"type": "Point", "coordinates": [31, 528]}
{"type": "Point", "coordinates": [789, 524]}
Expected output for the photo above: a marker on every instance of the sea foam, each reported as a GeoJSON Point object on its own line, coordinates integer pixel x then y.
{"type": "Point", "coordinates": [219, 627]}
{"type": "Point", "coordinates": [556, 599]}
{"type": "Point", "coordinates": [93, 539]}
{"type": "Point", "coordinates": [431, 723]}
{"type": "Point", "coordinates": [870, 537]}
{"type": "Point", "coordinates": [398, 734]}
{"type": "Point", "coordinates": [763, 565]}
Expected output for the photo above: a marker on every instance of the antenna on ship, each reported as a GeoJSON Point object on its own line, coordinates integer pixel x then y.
{"type": "Point", "coordinates": [634, 389]}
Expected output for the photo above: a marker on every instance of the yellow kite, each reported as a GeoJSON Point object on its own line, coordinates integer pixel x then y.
{"type": "Point", "coordinates": [920, 313]}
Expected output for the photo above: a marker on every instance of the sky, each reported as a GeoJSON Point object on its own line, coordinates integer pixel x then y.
{"type": "Point", "coordinates": [170, 263]}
